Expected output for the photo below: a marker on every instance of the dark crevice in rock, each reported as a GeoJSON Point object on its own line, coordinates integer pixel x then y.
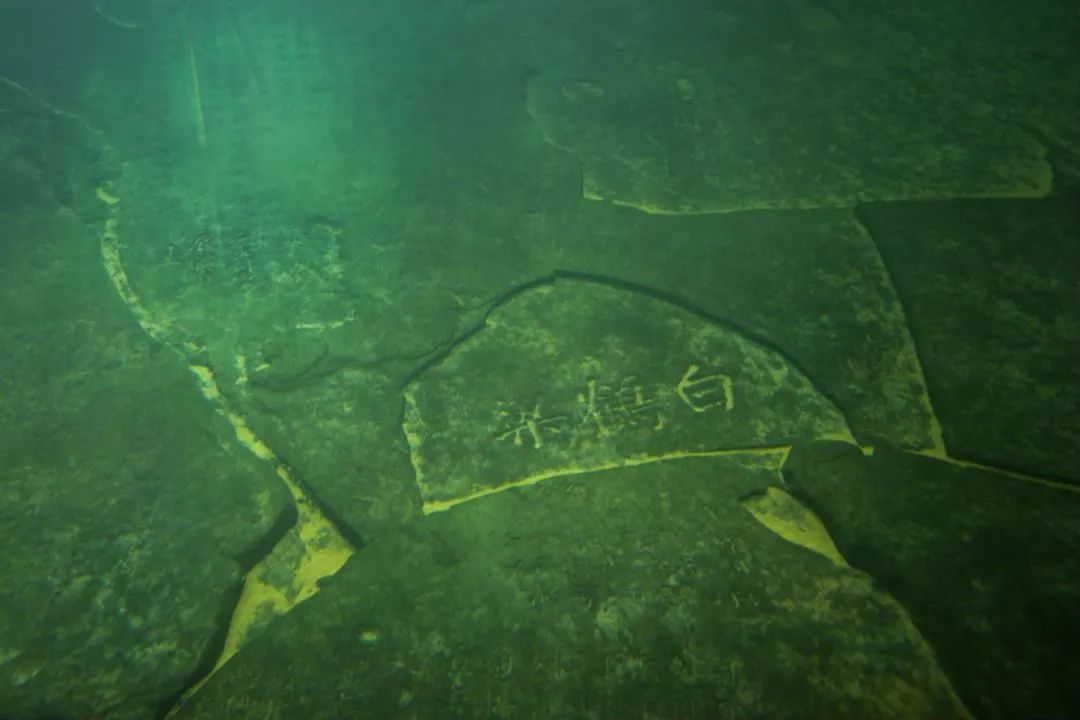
{"type": "Point", "coordinates": [678, 301]}
{"type": "Point", "coordinates": [673, 299]}
{"type": "Point", "coordinates": [441, 352]}
{"type": "Point", "coordinates": [859, 216]}
{"type": "Point", "coordinates": [1030, 227]}
{"type": "Point", "coordinates": [261, 549]}
{"type": "Point", "coordinates": [247, 559]}
{"type": "Point", "coordinates": [340, 523]}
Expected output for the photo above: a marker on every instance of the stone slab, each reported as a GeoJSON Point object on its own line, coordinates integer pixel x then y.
{"type": "Point", "coordinates": [576, 376]}
{"type": "Point", "coordinates": [647, 590]}
{"type": "Point", "coordinates": [807, 103]}
{"type": "Point", "coordinates": [985, 563]}
{"type": "Point", "coordinates": [992, 291]}
{"type": "Point", "coordinates": [127, 517]}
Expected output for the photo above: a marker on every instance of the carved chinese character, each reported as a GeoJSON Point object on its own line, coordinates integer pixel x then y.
{"type": "Point", "coordinates": [591, 402]}
{"type": "Point", "coordinates": [525, 425]}
{"type": "Point", "coordinates": [633, 403]}
{"type": "Point", "coordinates": [705, 392]}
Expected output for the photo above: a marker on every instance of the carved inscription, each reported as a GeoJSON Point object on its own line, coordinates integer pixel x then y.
{"type": "Point", "coordinates": [705, 392]}
{"type": "Point", "coordinates": [603, 409]}
{"type": "Point", "coordinates": [526, 426]}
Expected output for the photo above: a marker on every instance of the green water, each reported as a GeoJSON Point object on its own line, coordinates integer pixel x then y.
{"type": "Point", "coordinates": [506, 359]}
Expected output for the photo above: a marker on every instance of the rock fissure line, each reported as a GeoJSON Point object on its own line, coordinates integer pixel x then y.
{"type": "Point", "coordinates": [443, 351]}
{"type": "Point", "coordinates": [772, 458]}
{"type": "Point", "coordinates": [688, 306]}
{"type": "Point", "coordinates": [937, 437]}
{"type": "Point", "coordinates": [324, 548]}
